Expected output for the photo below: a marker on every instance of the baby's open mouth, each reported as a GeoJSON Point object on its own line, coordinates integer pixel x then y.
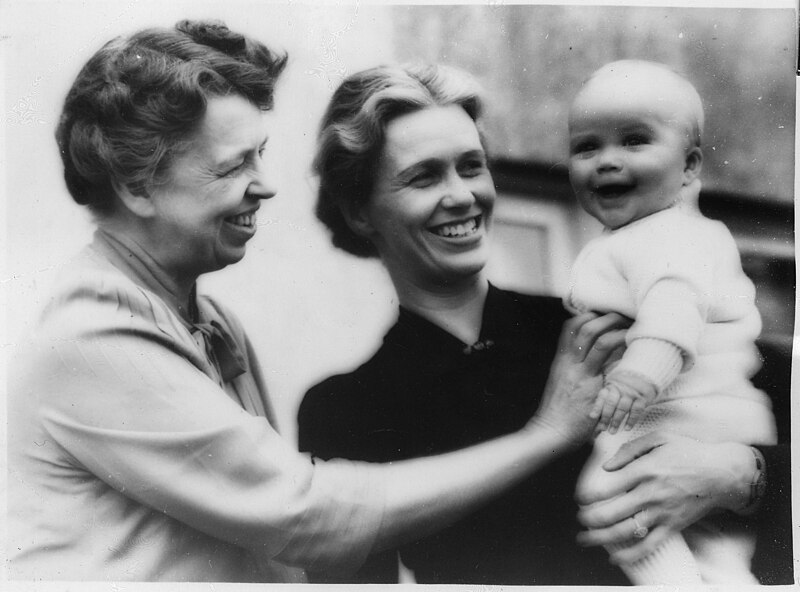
{"type": "Point", "coordinates": [459, 230]}
{"type": "Point", "coordinates": [612, 190]}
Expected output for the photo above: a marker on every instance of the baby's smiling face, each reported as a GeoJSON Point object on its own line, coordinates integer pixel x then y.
{"type": "Point", "coordinates": [631, 146]}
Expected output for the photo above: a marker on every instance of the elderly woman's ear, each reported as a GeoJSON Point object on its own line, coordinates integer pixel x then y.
{"type": "Point", "coordinates": [139, 203]}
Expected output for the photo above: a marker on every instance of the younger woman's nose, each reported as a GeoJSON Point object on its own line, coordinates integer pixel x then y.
{"type": "Point", "coordinates": [458, 193]}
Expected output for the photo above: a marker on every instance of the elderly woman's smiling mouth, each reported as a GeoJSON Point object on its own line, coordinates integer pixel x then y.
{"type": "Point", "coordinates": [244, 221]}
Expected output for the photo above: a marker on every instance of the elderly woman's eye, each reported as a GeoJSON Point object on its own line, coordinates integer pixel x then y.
{"type": "Point", "coordinates": [231, 172]}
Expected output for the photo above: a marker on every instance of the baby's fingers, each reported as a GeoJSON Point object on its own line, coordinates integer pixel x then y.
{"type": "Point", "coordinates": [636, 413]}
{"type": "Point", "coordinates": [609, 397]}
{"type": "Point", "coordinates": [622, 409]}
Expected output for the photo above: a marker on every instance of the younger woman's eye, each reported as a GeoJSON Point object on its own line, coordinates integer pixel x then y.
{"type": "Point", "coordinates": [423, 179]}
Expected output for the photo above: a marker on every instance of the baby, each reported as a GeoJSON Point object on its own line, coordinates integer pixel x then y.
{"type": "Point", "coordinates": [634, 133]}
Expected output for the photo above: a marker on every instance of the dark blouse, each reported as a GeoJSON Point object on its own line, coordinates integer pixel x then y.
{"type": "Point", "coordinates": [426, 392]}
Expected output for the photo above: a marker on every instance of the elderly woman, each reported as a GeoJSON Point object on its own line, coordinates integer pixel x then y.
{"type": "Point", "coordinates": [141, 444]}
{"type": "Point", "coordinates": [404, 177]}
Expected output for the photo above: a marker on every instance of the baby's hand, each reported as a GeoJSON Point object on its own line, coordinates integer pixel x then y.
{"type": "Point", "coordinates": [624, 394]}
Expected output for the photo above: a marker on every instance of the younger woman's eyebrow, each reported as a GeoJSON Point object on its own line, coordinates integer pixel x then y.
{"type": "Point", "coordinates": [413, 169]}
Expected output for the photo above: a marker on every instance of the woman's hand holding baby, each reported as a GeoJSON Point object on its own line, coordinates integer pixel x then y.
{"type": "Point", "coordinates": [587, 343]}
{"type": "Point", "coordinates": [675, 479]}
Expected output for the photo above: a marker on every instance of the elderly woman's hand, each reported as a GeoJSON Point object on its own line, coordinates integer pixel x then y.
{"type": "Point", "coordinates": [661, 483]}
{"type": "Point", "coordinates": [588, 343]}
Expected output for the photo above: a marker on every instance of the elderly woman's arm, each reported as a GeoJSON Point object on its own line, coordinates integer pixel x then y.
{"type": "Point", "coordinates": [122, 405]}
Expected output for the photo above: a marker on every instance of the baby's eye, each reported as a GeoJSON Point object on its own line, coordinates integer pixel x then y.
{"type": "Point", "coordinates": [583, 147]}
{"type": "Point", "coordinates": [636, 140]}
{"type": "Point", "coordinates": [472, 167]}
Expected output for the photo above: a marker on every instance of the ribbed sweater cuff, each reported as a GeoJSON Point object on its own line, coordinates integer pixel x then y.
{"type": "Point", "coordinates": [655, 360]}
{"type": "Point", "coordinates": [669, 564]}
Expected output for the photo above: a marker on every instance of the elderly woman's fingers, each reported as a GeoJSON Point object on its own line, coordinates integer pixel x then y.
{"type": "Point", "coordinates": [573, 338]}
{"type": "Point", "coordinates": [591, 335]}
{"type": "Point", "coordinates": [603, 350]}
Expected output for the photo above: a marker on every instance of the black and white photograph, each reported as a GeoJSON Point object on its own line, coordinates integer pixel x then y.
{"type": "Point", "coordinates": [468, 295]}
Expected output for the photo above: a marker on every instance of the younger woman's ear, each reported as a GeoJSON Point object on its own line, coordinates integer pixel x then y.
{"type": "Point", "coordinates": [692, 165]}
{"type": "Point", "coordinates": [139, 203]}
{"type": "Point", "coordinates": [357, 219]}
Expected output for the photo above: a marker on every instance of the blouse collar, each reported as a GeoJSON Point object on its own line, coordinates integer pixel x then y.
{"type": "Point", "coordinates": [130, 258]}
{"type": "Point", "coordinates": [216, 337]}
{"type": "Point", "coordinates": [429, 339]}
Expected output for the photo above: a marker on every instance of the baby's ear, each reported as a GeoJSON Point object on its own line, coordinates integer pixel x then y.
{"type": "Point", "coordinates": [692, 165]}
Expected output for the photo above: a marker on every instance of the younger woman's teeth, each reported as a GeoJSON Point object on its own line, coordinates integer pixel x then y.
{"type": "Point", "coordinates": [458, 230]}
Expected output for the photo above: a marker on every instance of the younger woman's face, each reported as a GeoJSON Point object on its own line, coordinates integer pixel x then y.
{"type": "Point", "coordinates": [431, 207]}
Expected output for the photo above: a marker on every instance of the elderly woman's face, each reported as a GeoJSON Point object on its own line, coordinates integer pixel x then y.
{"type": "Point", "coordinates": [205, 212]}
{"type": "Point", "coordinates": [431, 208]}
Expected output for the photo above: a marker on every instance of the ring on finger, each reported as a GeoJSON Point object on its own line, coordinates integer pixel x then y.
{"type": "Point", "coordinates": [640, 530]}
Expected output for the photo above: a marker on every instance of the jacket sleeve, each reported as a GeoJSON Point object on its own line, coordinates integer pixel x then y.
{"type": "Point", "coordinates": [773, 559]}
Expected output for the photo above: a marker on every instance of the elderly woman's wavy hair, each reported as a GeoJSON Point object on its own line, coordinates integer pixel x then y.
{"type": "Point", "coordinates": [137, 101]}
{"type": "Point", "coordinates": [352, 134]}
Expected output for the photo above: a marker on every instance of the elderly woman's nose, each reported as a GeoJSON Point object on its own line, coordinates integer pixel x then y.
{"type": "Point", "coordinates": [262, 186]}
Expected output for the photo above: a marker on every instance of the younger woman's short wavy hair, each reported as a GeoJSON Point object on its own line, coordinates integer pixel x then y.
{"type": "Point", "coordinates": [352, 134]}
{"type": "Point", "coordinates": [139, 98]}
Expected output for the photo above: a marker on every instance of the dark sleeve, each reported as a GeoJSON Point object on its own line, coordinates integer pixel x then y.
{"type": "Point", "coordinates": [772, 563]}
{"type": "Point", "coordinates": [773, 560]}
